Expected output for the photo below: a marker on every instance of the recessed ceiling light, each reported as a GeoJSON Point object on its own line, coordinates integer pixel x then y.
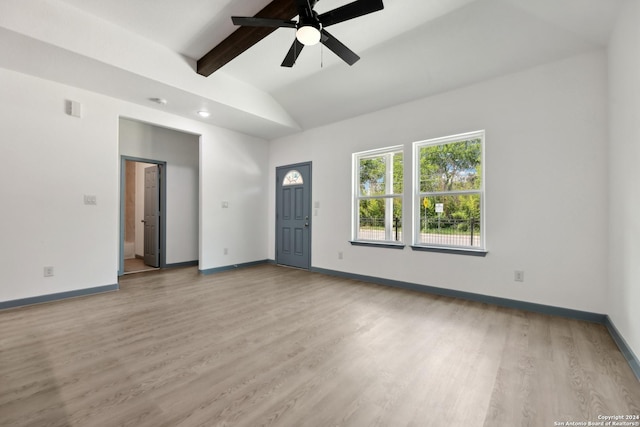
{"type": "Point", "coordinates": [203, 113]}
{"type": "Point", "coordinates": [160, 101]}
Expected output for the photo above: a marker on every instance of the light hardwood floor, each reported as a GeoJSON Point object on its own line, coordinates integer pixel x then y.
{"type": "Point", "coordinates": [136, 265]}
{"type": "Point", "coordinates": [275, 346]}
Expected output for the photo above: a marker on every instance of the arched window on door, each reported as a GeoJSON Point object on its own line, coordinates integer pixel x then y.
{"type": "Point", "coordinates": [293, 177]}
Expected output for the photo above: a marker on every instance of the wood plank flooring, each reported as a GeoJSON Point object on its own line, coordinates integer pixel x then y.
{"type": "Point", "coordinates": [136, 265]}
{"type": "Point", "coordinates": [271, 346]}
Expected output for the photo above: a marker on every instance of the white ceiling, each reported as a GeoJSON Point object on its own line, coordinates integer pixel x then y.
{"type": "Point", "coordinates": [409, 50]}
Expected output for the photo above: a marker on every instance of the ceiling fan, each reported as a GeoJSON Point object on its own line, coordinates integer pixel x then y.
{"type": "Point", "coordinates": [310, 29]}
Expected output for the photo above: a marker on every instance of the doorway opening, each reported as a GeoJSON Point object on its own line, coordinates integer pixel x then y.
{"type": "Point", "coordinates": [143, 207]}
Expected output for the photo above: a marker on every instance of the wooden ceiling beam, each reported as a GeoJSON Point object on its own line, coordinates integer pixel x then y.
{"type": "Point", "coordinates": [245, 37]}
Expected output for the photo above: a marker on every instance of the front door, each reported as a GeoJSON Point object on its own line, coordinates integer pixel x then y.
{"type": "Point", "coordinates": [293, 215]}
{"type": "Point", "coordinates": [151, 216]}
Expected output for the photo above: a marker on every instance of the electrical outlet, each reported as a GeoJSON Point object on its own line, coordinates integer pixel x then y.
{"type": "Point", "coordinates": [518, 276]}
{"type": "Point", "coordinates": [226, 251]}
{"type": "Point", "coordinates": [339, 255]}
{"type": "Point", "coordinates": [48, 271]}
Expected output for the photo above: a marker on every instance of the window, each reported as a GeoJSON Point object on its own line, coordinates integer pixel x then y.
{"type": "Point", "coordinates": [449, 192]}
{"type": "Point", "coordinates": [292, 177]}
{"type": "Point", "coordinates": [378, 193]}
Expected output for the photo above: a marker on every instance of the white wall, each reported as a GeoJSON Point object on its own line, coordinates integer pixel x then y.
{"type": "Point", "coordinates": [50, 160]}
{"type": "Point", "coordinates": [235, 172]}
{"type": "Point", "coordinates": [624, 188]}
{"type": "Point", "coordinates": [546, 198]}
{"type": "Point", "coordinates": [181, 151]}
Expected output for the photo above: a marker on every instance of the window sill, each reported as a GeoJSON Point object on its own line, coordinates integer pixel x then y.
{"type": "Point", "coordinates": [388, 245]}
{"type": "Point", "coordinates": [449, 250]}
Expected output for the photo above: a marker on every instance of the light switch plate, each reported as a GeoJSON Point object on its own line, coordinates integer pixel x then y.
{"type": "Point", "coordinates": [74, 108]}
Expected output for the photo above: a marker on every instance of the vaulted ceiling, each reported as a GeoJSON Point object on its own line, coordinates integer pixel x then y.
{"type": "Point", "coordinates": [138, 50]}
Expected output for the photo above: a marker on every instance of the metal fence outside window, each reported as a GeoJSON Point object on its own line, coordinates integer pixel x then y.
{"type": "Point", "coordinates": [450, 232]}
{"type": "Point", "coordinates": [374, 229]}
{"type": "Point", "coordinates": [433, 231]}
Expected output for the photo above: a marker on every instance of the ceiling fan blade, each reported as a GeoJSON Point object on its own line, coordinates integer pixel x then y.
{"type": "Point", "coordinates": [338, 48]}
{"type": "Point", "coordinates": [293, 53]}
{"type": "Point", "coordinates": [247, 21]}
{"type": "Point", "coordinates": [350, 11]}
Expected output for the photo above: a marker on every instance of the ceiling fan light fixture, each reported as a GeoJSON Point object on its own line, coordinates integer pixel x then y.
{"type": "Point", "coordinates": [308, 35]}
{"type": "Point", "coordinates": [310, 29]}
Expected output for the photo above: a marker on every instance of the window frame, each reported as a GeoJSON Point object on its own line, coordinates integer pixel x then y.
{"type": "Point", "coordinates": [480, 250]}
{"type": "Point", "coordinates": [356, 197]}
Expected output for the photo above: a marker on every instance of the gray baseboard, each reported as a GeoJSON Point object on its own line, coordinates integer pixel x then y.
{"type": "Point", "coordinates": [182, 264]}
{"type": "Point", "coordinates": [503, 302]}
{"type": "Point", "coordinates": [628, 354]}
{"type": "Point", "coordinates": [232, 267]}
{"type": "Point", "coordinates": [602, 319]}
{"type": "Point", "coordinates": [58, 296]}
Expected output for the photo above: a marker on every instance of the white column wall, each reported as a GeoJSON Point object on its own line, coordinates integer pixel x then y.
{"type": "Point", "coordinates": [624, 185]}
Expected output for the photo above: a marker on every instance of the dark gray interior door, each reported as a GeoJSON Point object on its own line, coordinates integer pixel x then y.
{"type": "Point", "coordinates": [151, 216]}
{"type": "Point", "coordinates": [293, 215]}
